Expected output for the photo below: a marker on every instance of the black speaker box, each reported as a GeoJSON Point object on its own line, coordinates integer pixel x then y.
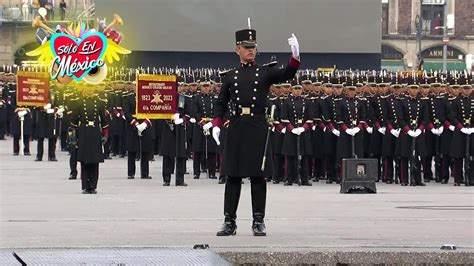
{"type": "Point", "coordinates": [359, 175]}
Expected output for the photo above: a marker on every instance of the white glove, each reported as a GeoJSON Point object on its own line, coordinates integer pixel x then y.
{"type": "Point", "coordinates": [382, 130]}
{"type": "Point", "coordinates": [141, 127]}
{"type": "Point", "coordinates": [349, 131]}
{"type": "Point", "coordinates": [411, 133]}
{"type": "Point", "coordinates": [471, 129]}
{"type": "Point", "coordinates": [176, 116]}
{"type": "Point", "coordinates": [118, 114]}
{"type": "Point", "coordinates": [440, 130]}
{"type": "Point", "coordinates": [273, 129]}
{"type": "Point", "coordinates": [466, 130]}
{"type": "Point", "coordinates": [59, 115]}
{"type": "Point", "coordinates": [296, 131]}
{"type": "Point", "coordinates": [336, 132]}
{"type": "Point", "coordinates": [207, 126]}
{"type": "Point", "coordinates": [283, 131]}
{"type": "Point", "coordinates": [192, 120]}
{"type": "Point", "coordinates": [302, 130]}
{"type": "Point", "coordinates": [451, 127]}
{"type": "Point", "coordinates": [313, 128]}
{"type": "Point", "coordinates": [49, 111]}
{"type": "Point", "coordinates": [60, 110]}
{"type": "Point", "coordinates": [215, 134]}
{"type": "Point", "coordinates": [395, 132]}
{"type": "Point", "coordinates": [48, 106]}
{"type": "Point", "coordinates": [435, 131]}
{"type": "Point", "coordinates": [22, 113]}
{"type": "Point", "coordinates": [355, 131]}
{"type": "Point", "coordinates": [370, 130]}
{"type": "Point", "coordinates": [295, 47]}
{"type": "Point", "coordinates": [178, 121]}
{"type": "Point", "coordinates": [417, 132]}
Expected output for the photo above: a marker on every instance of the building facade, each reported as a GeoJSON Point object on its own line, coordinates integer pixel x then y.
{"type": "Point", "coordinates": [408, 23]}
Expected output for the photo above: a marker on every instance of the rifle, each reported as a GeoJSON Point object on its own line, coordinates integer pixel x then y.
{"type": "Point", "coordinates": [206, 134]}
{"type": "Point", "coordinates": [467, 161]}
{"type": "Point", "coordinates": [412, 162]}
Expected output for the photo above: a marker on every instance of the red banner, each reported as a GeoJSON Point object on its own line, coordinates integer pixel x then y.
{"type": "Point", "coordinates": [32, 88]}
{"type": "Point", "coordinates": [156, 96]}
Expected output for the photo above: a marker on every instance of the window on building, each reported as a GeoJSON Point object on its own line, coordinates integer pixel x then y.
{"type": "Point", "coordinates": [432, 13]}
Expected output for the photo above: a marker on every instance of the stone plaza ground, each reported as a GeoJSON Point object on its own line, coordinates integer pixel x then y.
{"type": "Point", "coordinates": [41, 208]}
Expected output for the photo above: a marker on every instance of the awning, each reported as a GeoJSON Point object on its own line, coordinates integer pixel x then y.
{"type": "Point", "coordinates": [437, 65]}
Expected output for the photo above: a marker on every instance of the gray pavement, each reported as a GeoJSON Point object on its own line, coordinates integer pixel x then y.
{"type": "Point", "coordinates": [40, 208]}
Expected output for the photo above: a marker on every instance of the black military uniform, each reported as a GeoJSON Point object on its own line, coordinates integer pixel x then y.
{"type": "Point", "coordinates": [117, 122]}
{"type": "Point", "coordinates": [297, 116]}
{"type": "Point", "coordinates": [278, 137]}
{"type": "Point", "coordinates": [72, 102]}
{"type": "Point", "coordinates": [462, 143]}
{"type": "Point", "coordinates": [203, 108]}
{"type": "Point", "coordinates": [21, 114]}
{"type": "Point", "coordinates": [413, 117]}
{"type": "Point", "coordinates": [90, 120]}
{"type": "Point", "coordinates": [136, 141]}
{"type": "Point", "coordinates": [317, 132]}
{"type": "Point", "coordinates": [47, 126]}
{"type": "Point", "coordinates": [173, 146]}
{"type": "Point", "coordinates": [350, 120]}
{"type": "Point", "coordinates": [3, 109]}
{"type": "Point", "coordinates": [330, 105]}
{"type": "Point", "coordinates": [247, 88]}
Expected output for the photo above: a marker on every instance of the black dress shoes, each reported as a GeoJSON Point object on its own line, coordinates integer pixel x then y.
{"type": "Point", "coordinates": [166, 184]}
{"type": "Point", "coordinates": [72, 177]}
{"type": "Point", "coordinates": [52, 159]}
{"type": "Point", "coordinates": [307, 183]}
{"type": "Point", "coordinates": [182, 185]}
{"type": "Point", "coordinates": [288, 183]}
{"type": "Point", "coordinates": [146, 177]}
{"type": "Point", "coordinates": [196, 177]}
{"type": "Point", "coordinates": [228, 229]}
{"type": "Point", "coordinates": [38, 160]}
{"type": "Point", "coordinates": [131, 177]}
{"type": "Point", "coordinates": [259, 229]}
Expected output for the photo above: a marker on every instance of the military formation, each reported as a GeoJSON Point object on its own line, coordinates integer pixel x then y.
{"type": "Point", "coordinates": [419, 126]}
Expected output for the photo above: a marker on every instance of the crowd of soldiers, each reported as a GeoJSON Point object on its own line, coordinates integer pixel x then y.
{"type": "Point", "coordinates": [418, 127]}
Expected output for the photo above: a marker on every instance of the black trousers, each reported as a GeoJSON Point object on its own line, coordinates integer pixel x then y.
{"type": "Point", "coordinates": [317, 168]}
{"type": "Point", "coordinates": [16, 143]}
{"type": "Point", "coordinates": [51, 148]}
{"type": "Point", "coordinates": [168, 169]}
{"type": "Point", "coordinates": [458, 171]}
{"type": "Point", "coordinates": [64, 141]}
{"type": "Point", "coordinates": [404, 168]}
{"type": "Point", "coordinates": [233, 186]}
{"type": "Point", "coordinates": [387, 168]}
{"type": "Point", "coordinates": [279, 168]}
{"type": "Point", "coordinates": [446, 163]}
{"type": "Point", "coordinates": [293, 171]}
{"type": "Point", "coordinates": [211, 163]}
{"type": "Point", "coordinates": [427, 172]}
{"type": "Point", "coordinates": [3, 128]}
{"type": "Point", "coordinates": [330, 166]}
{"type": "Point", "coordinates": [118, 146]}
{"type": "Point", "coordinates": [73, 160]}
{"type": "Point", "coordinates": [89, 175]}
{"type": "Point", "coordinates": [144, 164]}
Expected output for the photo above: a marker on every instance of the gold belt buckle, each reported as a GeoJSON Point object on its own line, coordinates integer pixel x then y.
{"type": "Point", "coordinates": [436, 121]}
{"type": "Point", "coordinates": [300, 121]}
{"type": "Point", "coordinates": [354, 122]}
{"type": "Point", "coordinates": [466, 121]}
{"type": "Point", "coordinates": [245, 111]}
{"type": "Point", "coordinates": [90, 123]}
{"type": "Point", "coordinates": [413, 122]}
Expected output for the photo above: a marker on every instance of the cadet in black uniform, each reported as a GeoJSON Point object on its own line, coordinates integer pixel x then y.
{"type": "Point", "coordinates": [203, 106]}
{"type": "Point", "coordinates": [463, 119]}
{"type": "Point", "coordinates": [296, 115]}
{"type": "Point", "coordinates": [139, 135]}
{"type": "Point", "coordinates": [90, 121]}
{"type": "Point", "coordinates": [247, 88]}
